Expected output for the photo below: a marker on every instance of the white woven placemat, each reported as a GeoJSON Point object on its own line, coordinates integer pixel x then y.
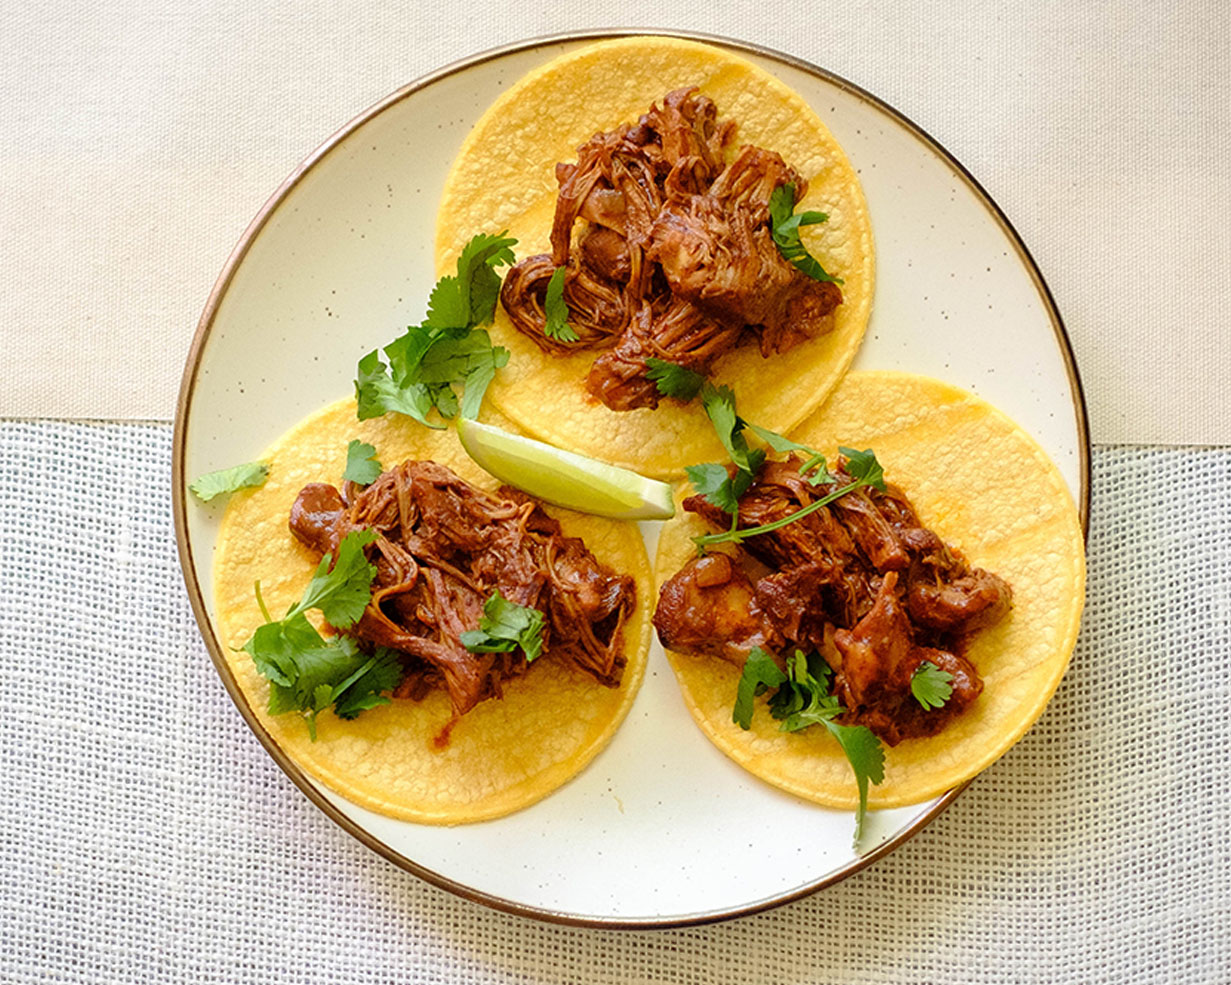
{"type": "Point", "coordinates": [148, 838]}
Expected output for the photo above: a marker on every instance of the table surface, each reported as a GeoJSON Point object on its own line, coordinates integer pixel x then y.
{"type": "Point", "coordinates": [148, 838]}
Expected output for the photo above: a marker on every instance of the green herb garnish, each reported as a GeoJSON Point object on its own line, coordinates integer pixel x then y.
{"type": "Point", "coordinates": [719, 403]}
{"type": "Point", "coordinates": [931, 686]}
{"type": "Point", "coordinates": [815, 463]}
{"type": "Point", "coordinates": [504, 626]}
{"type": "Point", "coordinates": [760, 674]}
{"type": "Point", "coordinates": [362, 467]}
{"type": "Point", "coordinates": [714, 481]}
{"type": "Point", "coordinates": [785, 229]}
{"type": "Point", "coordinates": [557, 326]}
{"type": "Point", "coordinates": [673, 380]}
{"type": "Point", "coordinates": [247, 476]}
{"type": "Point", "coordinates": [308, 672]}
{"type": "Point", "coordinates": [803, 699]}
{"type": "Point", "coordinates": [447, 349]}
{"type": "Point", "coordinates": [864, 469]}
{"type": "Point", "coordinates": [718, 486]}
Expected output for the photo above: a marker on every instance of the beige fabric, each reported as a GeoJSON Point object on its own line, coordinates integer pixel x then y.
{"type": "Point", "coordinates": [141, 138]}
{"type": "Point", "coordinates": [148, 838]}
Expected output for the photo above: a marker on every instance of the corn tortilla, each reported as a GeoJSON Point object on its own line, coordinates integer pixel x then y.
{"type": "Point", "coordinates": [504, 178]}
{"type": "Point", "coordinates": [982, 484]}
{"type": "Point", "coordinates": [503, 755]}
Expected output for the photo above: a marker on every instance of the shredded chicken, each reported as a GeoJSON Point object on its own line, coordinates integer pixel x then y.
{"type": "Point", "coordinates": [675, 259]}
{"type": "Point", "coordinates": [442, 548]}
{"type": "Point", "coordinates": [861, 581]}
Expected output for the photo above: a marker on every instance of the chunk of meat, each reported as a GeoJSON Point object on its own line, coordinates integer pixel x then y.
{"type": "Point", "coordinates": [879, 659]}
{"type": "Point", "coordinates": [679, 333]}
{"type": "Point", "coordinates": [315, 516]}
{"type": "Point", "coordinates": [708, 607]}
{"type": "Point", "coordinates": [717, 251]}
{"type": "Point", "coordinates": [962, 605]}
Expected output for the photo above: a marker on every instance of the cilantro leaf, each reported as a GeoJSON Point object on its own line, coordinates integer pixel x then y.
{"type": "Point", "coordinates": [760, 673]}
{"type": "Point", "coordinates": [673, 380]}
{"type": "Point", "coordinates": [364, 688]}
{"type": "Point", "coordinates": [815, 463]}
{"type": "Point", "coordinates": [406, 352]}
{"type": "Point", "coordinates": [478, 378]}
{"type": "Point", "coordinates": [557, 326]}
{"type": "Point", "coordinates": [803, 698]}
{"type": "Point", "coordinates": [469, 298]}
{"type": "Point", "coordinates": [362, 467]}
{"type": "Point", "coordinates": [376, 394]}
{"type": "Point", "coordinates": [504, 626]}
{"type": "Point", "coordinates": [867, 758]}
{"type": "Point", "coordinates": [718, 486]}
{"type": "Point", "coordinates": [719, 403]}
{"type": "Point", "coordinates": [248, 476]}
{"type": "Point", "coordinates": [864, 468]}
{"type": "Point", "coordinates": [318, 665]}
{"type": "Point", "coordinates": [343, 589]}
{"type": "Point", "coordinates": [931, 686]}
{"type": "Point", "coordinates": [785, 229]}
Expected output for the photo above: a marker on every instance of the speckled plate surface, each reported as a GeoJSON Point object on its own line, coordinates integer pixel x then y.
{"type": "Point", "coordinates": [661, 829]}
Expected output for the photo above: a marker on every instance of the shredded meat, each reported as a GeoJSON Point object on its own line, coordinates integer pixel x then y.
{"type": "Point", "coordinates": [442, 548]}
{"type": "Point", "coordinates": [675, 259]}
{"type": "Point", "coordinates": [860, 581]}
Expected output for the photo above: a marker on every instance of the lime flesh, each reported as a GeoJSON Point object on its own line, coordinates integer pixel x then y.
{"type": "Point", "coordinates": [564, 478]}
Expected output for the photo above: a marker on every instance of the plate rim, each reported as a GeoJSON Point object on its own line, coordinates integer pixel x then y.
{"type": "Point", "coordinates": [180, 500]}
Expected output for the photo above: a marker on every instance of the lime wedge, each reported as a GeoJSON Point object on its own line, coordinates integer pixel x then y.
{"type": "Point", "coordinates": [565, 478]}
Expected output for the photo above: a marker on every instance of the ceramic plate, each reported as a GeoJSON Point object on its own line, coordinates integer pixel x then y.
{"type": "Point", "coordinates": [661, 829]}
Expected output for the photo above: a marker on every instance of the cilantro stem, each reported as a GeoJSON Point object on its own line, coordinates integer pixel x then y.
{"type": "Point", "coordinates": [261, 602]}
{"type": "Point", "coordinates": [737, 535]}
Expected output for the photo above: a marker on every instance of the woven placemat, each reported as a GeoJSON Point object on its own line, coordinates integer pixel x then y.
{"type": "Point", "coordinates": [147, 837]}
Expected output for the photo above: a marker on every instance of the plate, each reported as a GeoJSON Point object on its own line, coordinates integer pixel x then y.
{"type": "Point", "coordinates": [661, 829]}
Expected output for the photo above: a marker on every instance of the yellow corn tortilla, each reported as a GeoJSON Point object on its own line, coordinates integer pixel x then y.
{"type": "Point", "coordinates": [982, 484]}
{"type": "Point", "coordinates": [503, 755]}
{"type": "Point", "coordinates": [504, 178]}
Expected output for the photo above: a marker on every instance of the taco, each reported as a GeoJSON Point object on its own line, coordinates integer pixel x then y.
{"type": "Point", "coordinates": [647, 181]}
{"type": "Point", "coordinates": [473, 730]}
{"type": "Point", "coordinates": [967, 569]}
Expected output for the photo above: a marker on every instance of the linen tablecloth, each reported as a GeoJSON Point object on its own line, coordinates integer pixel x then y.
{"type": "Point", "coordinates": [147, 837]}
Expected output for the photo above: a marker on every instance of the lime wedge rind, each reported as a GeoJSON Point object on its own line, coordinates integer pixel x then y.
{"type": "Point", "coordinates": [564, 478]}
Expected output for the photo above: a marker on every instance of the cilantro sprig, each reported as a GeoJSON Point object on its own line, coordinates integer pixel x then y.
{"type": "Point", "coordinates": [723, 488]}
{"type": "Point", "coordinates": [556, 311]}
{"type": "Point", "coordinates": [802, 699]}
{"type": "Point", "coordinates": [784, 226]}
{"type": "Point", "coordinates": [716, 482]}
{"type": "Point", "coordinates": [505, 626]}
{"type": "Point", "coordinates": [307, 672]}
{"type": "Point", "coordinates": [247, 476]}
{"type": "Point", "coordinates": [931, 686]}
{"type": "Point", "coordinates": [864, 470]}
{"type": "Point", "coordinates": [448, 349]}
